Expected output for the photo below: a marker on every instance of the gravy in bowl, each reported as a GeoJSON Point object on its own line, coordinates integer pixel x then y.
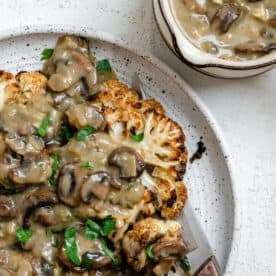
{"type": "Point", "coordinates": [233, 30]}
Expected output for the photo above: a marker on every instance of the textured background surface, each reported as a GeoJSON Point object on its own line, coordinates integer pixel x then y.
{"type": "Point", "coordinates": [244, 109]}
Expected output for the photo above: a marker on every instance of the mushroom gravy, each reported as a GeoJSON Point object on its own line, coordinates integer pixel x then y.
{"type": "Point", "coordinates": [90, 173]}
{"type": "Point", "coordinates": [229, 29]}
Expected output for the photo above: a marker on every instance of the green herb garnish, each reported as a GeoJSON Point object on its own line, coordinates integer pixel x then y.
{"type": "Point", "coordinates": [42, 130]}
{"type": "Point", "coordinates": [92, 229]}
{"type": "Point", "coordinates": [7, 187]}
{"type": "Point", "coordinates": [66, 133]}
{"type": "Point", "coordinates": [23, 235]}
{"type": "Point", "coordinates": [110, 254]}
{"type": "Point", "coordinates": [103, 66]}
{"type": "Point", "coordinates": [137, 137]}
{"type": "Point", "coordinates": [87, 260]}
{"type": "Point", "coordinates": [185, 263]}
{"type": "Point", "coordinates": [149, 252]}
{"type": "Point", "coordinates": [71, 246]}
{"type": "Point", "coordinates": [55, 165]}
{"type": "Point", "coordinates": [46, 53]}
{"type": "Point", "coordinates": [86, 131]}
{"type": "Point", "coordinates": [108, 225]}
{"type": "Point", "coordinates": [87, 165]}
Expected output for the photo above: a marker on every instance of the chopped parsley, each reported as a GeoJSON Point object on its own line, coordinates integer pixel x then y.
{"type": "Point", "coordinates": [55, 165]}
{"type": "Point", "coordinates": [87, 165]}
{"type": "Point", "coordinates": [92, 230]}
{"type": "Point", "coordinates": [185, 263]}
{"type": "Point", "coordinates": [110, 254]}
{"type": "Point", "coordinates": [103, 66]}
{"type": "Point", "coordinates": [137, 137]}
{"type": "Point", "coordinates": [42, 130]}
{"type": "Point", "coordinates": [23, 235]}
{"type": "Point", "coordinates": [87, 260]}
{"type": "Point", "coordinates": [71, 245]}
{"type": "Point", "coordinates": [46, 53]}
{"type": "Point", "coordinates": [149, 252]}
{"type": "Point", "coordinates": [66, 133]}
{"type": "Point", "coordinates": [108, 225]}
{"type": "Point", "coordinates": [86, 131]}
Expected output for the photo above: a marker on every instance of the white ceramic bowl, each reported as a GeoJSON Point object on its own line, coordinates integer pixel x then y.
{"type": "Point", "coordinates": [199, 60]}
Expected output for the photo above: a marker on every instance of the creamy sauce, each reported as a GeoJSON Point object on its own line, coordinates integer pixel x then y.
{"type": "Point", "coordinates": [60, 168]}
{"type": "Point", "coordinates": [251, 33]}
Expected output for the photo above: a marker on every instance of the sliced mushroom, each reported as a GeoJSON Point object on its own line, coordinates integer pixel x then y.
{"type": "Point", "coordinates": [86, 248]}
{"type": "Point", "coordinates": [170, 248]}
{"type": "Point", "coordinates": [42, 268]}
{"type": "Point", "coordinates": [7, 207]}
{"type": "Point", "coordinates": [37, 199]}
{"type": "Point", "coordinates": [69, 184]}
{"type": "Point", "coordinates": [129, 162]}
{"type": "Point", "coordinates": [225, 17]}
{"type": "Point", "coordinates": [167, 267]}
{"type": "Point", "coordinates": [254, 47]}
{"type": "Point", "coordinates": [24, 144]}
{"type": "Point", "coordinates": [96, 185]}
{"type": "Point", "coordinates": [81, 115]}
{"type": "Point", "coordinates": [46, 216]}
{"type": "Point", "coordinates": [35, 168]}
{"type": "Point", "coordinates": [70, 63]}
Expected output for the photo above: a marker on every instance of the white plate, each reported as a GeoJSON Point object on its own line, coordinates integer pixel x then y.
{"type": "Point", "coordinates": [209, 181]}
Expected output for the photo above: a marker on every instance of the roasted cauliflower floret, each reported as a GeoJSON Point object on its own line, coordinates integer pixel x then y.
{"type": "Point", "coordinates": [163, 142]}
{"type": "Point", "coordinates": [33, 82]}
{"type": "Point", "coordinates": [162, 146]}
{"type": "Point", "coordinates": [147, 105]}
{"type": "Point", "coordinates": [171, 195]}
{"type": "Point", "coordinates": [116, 94]}
{"type": "Point", "coordinates": [9, 88]}
{"type": "Point", "coordinates": [151, 232]}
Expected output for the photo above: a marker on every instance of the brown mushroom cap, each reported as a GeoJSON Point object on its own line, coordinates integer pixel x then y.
{"type": "Point", "coordinates": [69, 64]}
{"type": "Point", "coordinates": [93, 248]}
{"type": "Point", "coordinates": [37, 199]}
{"type": "Point", "coordinates": [46, 216]}
{"type": "Point", "coordinates": [24, 144]}
{"type": "Point", "coordinates": [255, 47]}
{"type": "Point", "coordinates": [83, 114]}
{"type": "Point", "coordinates": [69, 184]}
{"type": "Point", "coordinates": [35, 168]}
{"type": "Point", "coordinates": [168, 249]}
{"type": "Point", "coordinates": [129, 162]}
{"type": "Point", "coordinates": [7, 207]}
{"type": "Point", "coordinates": [97, 185]}
{"type": "Point", "coordinates": [226, 15]}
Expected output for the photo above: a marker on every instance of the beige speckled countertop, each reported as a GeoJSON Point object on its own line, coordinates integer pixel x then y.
{"type": "Point", "coordinates": [244, 109]}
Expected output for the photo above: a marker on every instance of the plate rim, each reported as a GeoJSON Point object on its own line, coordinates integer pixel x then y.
{"type": "Point", "coordinates": [92, 33]}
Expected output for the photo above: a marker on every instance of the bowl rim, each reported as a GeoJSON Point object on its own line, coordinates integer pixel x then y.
{"type": "Point", "coordinates": [218, 63]}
